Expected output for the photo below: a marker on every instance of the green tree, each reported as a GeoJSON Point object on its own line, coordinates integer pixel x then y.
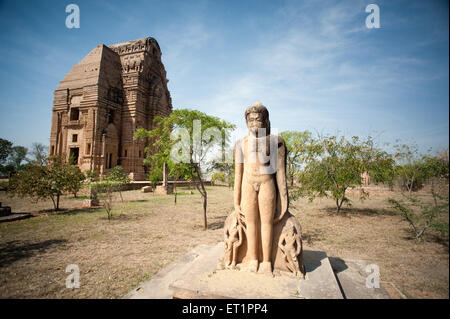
{"type": "Point", "coordinates": [39, 154]}
{"type": "Point", "coordinates": [296, 143]}
{"type": "Point", "coordinates": [333, 165]}
{"type": "Point", "coordinates": [419, 213]}
{"type": "Point", "coordinates": [11, 157]}
{"type": "Point", "coordinates": [75, 179]}
{"type": "Point", "coordinates": [422, 215]}
{"type": "Point", "coordinates": [18, 155]}
{"type": "Point", "coordinates": [105, 187]}
{"type": "Point", "coordinates": [183, 140]}
{"type": "Point", "coordinates": [117, 178]}
{"type": "Point", "coordinates": [223, 168]}
{"type": "Point", "coordinates": [43, 182]}
{"type": "Point", "coordinates": [5, 150]}
{"type": "Point", "coordinates": [409, 167]}
{"type": "Point", "coordinates": [218, 177]}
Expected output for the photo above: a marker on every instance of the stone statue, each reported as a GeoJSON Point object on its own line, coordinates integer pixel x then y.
{"type": "Point", "coordinates": [234, 236]}
{"type": "Point", "coordinates": [261, 203]}
{"type": "Point", "coordinates": [291, 245]}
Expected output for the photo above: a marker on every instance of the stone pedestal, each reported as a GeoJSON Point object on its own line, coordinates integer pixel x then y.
{"type": "Point", "coordinates": [91, 202]}
{"type": "Point", "coordinates": [195, 275]}
{"type": "Point", "coordinates": [6, 215]}
{"type": "Point", "coordinates": [203, 280]}
{"type": "Point", "coordinates": [164, 189]}
{"type": "Point", "coordinates": [5, 210]}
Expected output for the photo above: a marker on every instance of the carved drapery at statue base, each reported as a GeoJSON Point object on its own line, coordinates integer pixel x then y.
{"type": "Point", "coordinates": [287, 248]}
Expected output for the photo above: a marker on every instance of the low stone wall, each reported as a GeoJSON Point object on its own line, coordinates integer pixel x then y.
{"type": "Point", "coordinates": [139, 184]}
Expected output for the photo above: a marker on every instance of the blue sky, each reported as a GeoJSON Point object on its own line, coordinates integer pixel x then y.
{"type": "Point", "coordinates": [314, 64]}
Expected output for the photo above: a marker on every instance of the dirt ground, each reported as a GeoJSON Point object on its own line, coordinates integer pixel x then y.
{"type": "Point", "coordinates": [149, 231]}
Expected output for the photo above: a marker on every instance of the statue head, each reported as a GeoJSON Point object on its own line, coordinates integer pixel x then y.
{"type": "Point", "coordinates": [257, 117]}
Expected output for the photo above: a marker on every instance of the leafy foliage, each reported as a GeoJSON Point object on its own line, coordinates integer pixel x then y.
{"type": "Point", "coordinates": [422, 215]}
{"type": "Point", "coordinates": [223, 168]}
{"type": "Point", "coordinates": [11, 157]}
{"type": "Point", "coordinates": [5, 150]}
{"type": "Point", "coordinates": [107, 185]}
{"type": "Point", "coordinates": [18, 155]}
{"type": "Point", "coordinates": [296, 143]}
{"type": "Point", "coordinates": [39, 154]}
{"type": "Point", "coordinates": [333, 165]}
{"type": "Point", "coordinates": [75, 179]}
{"type": "Point", "coordinates": [415, 170]}
{"type": "Point", "coordinates": [218, 177]}
{"type": "Point", "coordinates": [50, 181]}
{"type": "Point", "coordinates": [163, 142]}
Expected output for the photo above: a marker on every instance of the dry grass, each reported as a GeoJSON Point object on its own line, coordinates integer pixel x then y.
{"type": "Point", "coordinates": [148, 232]}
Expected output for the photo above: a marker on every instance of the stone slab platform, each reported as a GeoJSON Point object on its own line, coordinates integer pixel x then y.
{"type": "Point", "coordinates": [14, 216]}
{"type": "Point", "coordinates": [203, 281]}
{"type": "Point", "coordinates": [158, 286]}
{"type": "Point", "coordinates": [195, 276]}
{"type": "Point", "coordinates": [351, 275]}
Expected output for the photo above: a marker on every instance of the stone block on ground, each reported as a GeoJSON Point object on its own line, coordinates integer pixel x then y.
{"type": "Point", "coordinates": [146, 189]}
{"type": "Point", "coordinates": [87, 203]}
{"type": "Point", "coordinates": [164, 189]}
{"type": "Point", "coordinates": [5, 210]}
{"type": "Point", "coordinates": [352, 276]}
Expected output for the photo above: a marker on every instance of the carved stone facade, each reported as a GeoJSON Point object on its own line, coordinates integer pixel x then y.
{"type": "Point", "coordinates": [103, 100]}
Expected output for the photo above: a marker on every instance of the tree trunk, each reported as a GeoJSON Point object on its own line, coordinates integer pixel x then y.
{"type": "Point", "coordinates": [205, 200]}
{"type": "Point", "coordinates": [204, 195]}
{"type": "Point", "coordinates": [339, 205]}
{"type": "Point", "coordinates": [54, 203]}
{"type": "Point", "coordinates": [57, 201]}
{"type": "Point", "coordinates": [175, 192]}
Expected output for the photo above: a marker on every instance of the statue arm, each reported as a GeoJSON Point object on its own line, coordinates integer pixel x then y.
{"type": "Point", "coordinates": [240, 236]}
{"type": "Point", "coordinates": [299, 246]}
{"type": "Point", "coordinates": [239, 171]}
{"type": "Point", "coordinates": [281, 179]}
{"type": "Point", "coordinates": [280, 243]}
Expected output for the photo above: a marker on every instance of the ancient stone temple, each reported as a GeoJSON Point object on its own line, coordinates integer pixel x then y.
{"type": "Point", "coordinates": [101, 102]}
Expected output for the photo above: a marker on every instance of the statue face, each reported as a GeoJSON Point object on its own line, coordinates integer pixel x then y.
{"type": "Point", "coordinates": [255, 121]}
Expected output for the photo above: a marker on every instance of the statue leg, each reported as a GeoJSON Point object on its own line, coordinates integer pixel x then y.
{"type": "Point", "coordinates": [267, 205]}
{"type": "Point", "coordinates": [249, 205]}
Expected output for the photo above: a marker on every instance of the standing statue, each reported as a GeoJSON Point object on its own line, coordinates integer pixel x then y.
{"type": "Point", "coordinates": [234, 236]}
{"type": "Point", "coordinates": [291, 245]}
{"type": "Point", "coordinates": [261, 199]}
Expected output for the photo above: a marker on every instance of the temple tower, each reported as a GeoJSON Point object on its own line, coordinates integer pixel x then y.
{"type": "Point", "coordinates": [103, 100]}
